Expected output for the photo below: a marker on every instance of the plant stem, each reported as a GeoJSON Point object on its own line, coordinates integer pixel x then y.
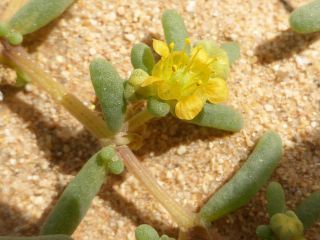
{"type": "Point", "coordinates": [98, 128]}
{"type": "Point", "coordinates": [87, 117]}
{"type": "Point", "coordinates": [138, 120]}
{"type": "Point", "coordinates": [183, 217]}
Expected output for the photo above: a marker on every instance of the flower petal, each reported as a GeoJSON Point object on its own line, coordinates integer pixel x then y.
{"type": "Point", "coordinates": [216, 90]}
{"type": "Point", "coordinates": [189, 107]}
{"type": "Point", "coordinates": [161, 48]}
{"type": "Point", "coordinates": [199, 56]}
{"type": "Point", "coordinates": [148, 81]}
{"type": "Point", "coordinates": [168, 91]}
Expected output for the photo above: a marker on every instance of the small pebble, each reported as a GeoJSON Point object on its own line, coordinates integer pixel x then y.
{"type": "Point", "coordinates": [268, 107]}
{"type": "Point", "coordinates": [129, 37]}
{"type": "Point", "coordinates": [190, 6]}
{"type": "Point", "coordinates": [182, 150]}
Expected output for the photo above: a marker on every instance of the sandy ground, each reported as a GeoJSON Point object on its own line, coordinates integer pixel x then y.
{"type": "Point", "coordinates": [275, 85]}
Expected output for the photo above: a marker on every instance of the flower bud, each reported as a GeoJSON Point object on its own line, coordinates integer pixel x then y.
{"type": "Point", "coordinates": [286, 226]}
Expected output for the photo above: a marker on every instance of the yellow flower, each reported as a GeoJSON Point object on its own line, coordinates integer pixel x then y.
{"type": "Point", "coordinates": [188, 80]}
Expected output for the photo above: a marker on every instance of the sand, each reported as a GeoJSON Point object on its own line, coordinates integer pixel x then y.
{"type": "Point", "coordinates": [275, 85]}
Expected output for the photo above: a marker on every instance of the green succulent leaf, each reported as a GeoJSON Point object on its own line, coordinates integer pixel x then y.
{"type": "Point", "coordinates": [219, 116]}
{"type": "Point", "coordinates": [105, 155]}
{"type": "Point", "coordinates": [286, 226]}
{"type": "Point", "coordinates": [14, 38]}
{"type": "Point", "coordinates": [306, 19]}
{"type": "Point", "coordinates": [165, 237]}
{"type": "Point", "coordinates": [247, 181]}
{"type": "Point", "coordinates": [275, 199]}
{"type": "Point", "coordinates": [146, 232]}
{"type": "Point", "coordinates": [77, 197]}
{"type": "Point", "coordinates": [157, 108]}
{"type": "Point", "coordinates": [142, 57]}
{"type": "Point", "coordinates": [264, 232]}
{"type": "Point", "coordinates": [48, 237]}
{"type": "Point", "coordinates": [137, 77]}
{"type": "Point", "coordinates": [116, 166]}
{"type": "Point", "coordinates": [22, 79]}
{"type": "Point", "coordinates": [233, 51]}
{"type": "Point", "coordinates": [110, 90]}
{"type": "Point", "coordinates": [129, 91]}
{"type": "Point", "coordinates": [4, 29]}
{"type": "Point", "coordinates": [174, 29]}
{"type": "Point", "coordinates": [10, 35]}
{"type": "Point", "coordinates": [36, 14]}
{"type": "Point", "coordinates": [308, 211]}
{"type": "Point", "coordinates": [109, 158]}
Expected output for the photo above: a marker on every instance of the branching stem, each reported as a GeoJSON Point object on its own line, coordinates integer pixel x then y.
{"type": "Point", "coordinates": [20, 59]}
{"type": "Point", "coordinates": [185, 219]}
{"type": "Point", "coordinates": [88, 118]}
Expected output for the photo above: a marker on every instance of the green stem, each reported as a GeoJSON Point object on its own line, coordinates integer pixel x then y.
{"type": "Point", "coordinates": [98, 128]}
{"type": "Point", "coordinates": [184, 218]}
{"type": "Point", "coordinates": [88, 118]}
{"type": "Point", "coordinates": [138, 120]}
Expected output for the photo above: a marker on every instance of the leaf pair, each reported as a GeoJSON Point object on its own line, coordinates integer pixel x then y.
{"type": "Point", "coordinates": [286, 224]}
{"type": "Point", "coordinates": [78, 195]}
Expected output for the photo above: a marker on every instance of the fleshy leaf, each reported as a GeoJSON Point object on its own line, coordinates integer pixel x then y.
{"type": "Point", "coordinates": [36, 14]}
{"type": "Point", "coordinates": [146, 232]}
{"type": "Point", "coordinates": [308, 210]}
{"type": "Point", "coordinates": [129, 92]}
{"type": "Point", "coordinates": [248, 179]}
{"type": "Point", "coordinates": [110, 90]}
{"type": "Point", "coordinates": [275, 199]}
{"type": "Point", "coordinates": [76, 198]}
{"type": "Point", "coordinates": [174, 29]}
{"type": "Point", "coordinates": [157, 108]}
{"type": "Point", "coordinates": [264, 232]}
{"type": "Point", "coordinates": [219, 116]}
{"type": "Point", "coordinates": [22, 79]}
{"type": "Point", "coordinates": [306, 19]}
{"type": "Point", "coordinates": [165, 237]}
{"type": "Point", "coordinates": [233, 51]}
{"type": "Point", "coordinates": [142, 57]}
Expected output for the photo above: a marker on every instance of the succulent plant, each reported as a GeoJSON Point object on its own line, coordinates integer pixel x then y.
{"type": "Point", "coordinates": [285, 224]}
{"type": "Point", "coordinates": [188, 82]}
